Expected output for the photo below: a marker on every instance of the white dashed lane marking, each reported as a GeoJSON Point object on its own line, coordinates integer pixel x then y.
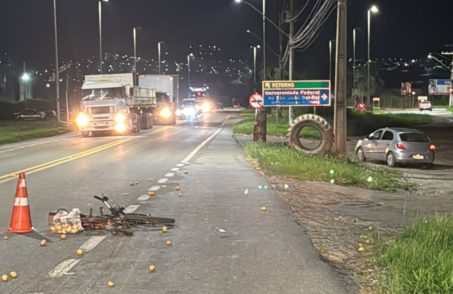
{"type": "Point", "coordinates": [180, 165]}
{"type": "Point", "coordinates": [63, 268]}
{"type": "Point", "coordinates": [154, 188]}
{"type": "Point", "coordinates": [131, 208]}
{"type": "Point", "coordinates": [91, 243]}
{"type": "Point", "coordinates": [169, 175]}
{"type": "Point", "coordinates": [143, 197]}
{"type": "Point", "coordinates": [175, 169]}
{"type": "Point", "coordinates": [162, 181]}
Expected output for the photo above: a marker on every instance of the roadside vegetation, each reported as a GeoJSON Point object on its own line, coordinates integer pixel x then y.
{"type": "Point", "coordinates": [278, 160]}
{"type": "Point", "coordinates": [15, 131]}
{"type": "Point", "coordinates": [420, 259]}
{"type": "Point", "coordinates": [359, 123]}
{"type": "Point", "coordinates": [450, 108]}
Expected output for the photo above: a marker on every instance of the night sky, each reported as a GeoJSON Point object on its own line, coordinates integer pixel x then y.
{"type": "Point", "coordinates": [408, 29]}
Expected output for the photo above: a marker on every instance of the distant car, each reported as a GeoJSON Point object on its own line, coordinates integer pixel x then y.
{"type": "Point", "coordinates": [188, 109]}
{"type": "Point", "coordinates": [29, 114]}
{"type": "Point", "coordinates": [425, 105]}
{"type": "Point", "coordinates": [397, 145]}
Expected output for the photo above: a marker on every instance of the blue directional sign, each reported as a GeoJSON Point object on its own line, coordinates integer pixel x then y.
{"type": "Point", "coordinates": [296, 93]}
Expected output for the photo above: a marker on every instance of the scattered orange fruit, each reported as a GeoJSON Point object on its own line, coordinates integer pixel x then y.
{"type": "Point", "coordinates": [263, 208]}
{"type": "Point", "coordinates": [151, 193]}
{"type": "Point", "coordinates": [152, 268]}
{"type": "Point", "coordinates": [4, 278]}
{"type": "Point", "coordinates": [79, 251]}
{"type": "Point", "coordinates": [110, 284]}
{"type": "Point", "coordinates": [164, 229]}
{"type": "Point", "coordinates": [43, 243]}
{"type": "Point", "coordinates": [13, 275]}
{"type": "Point", "coordinates": [169, 242]}
{"type": "Point", "coordinates": [63, 236]}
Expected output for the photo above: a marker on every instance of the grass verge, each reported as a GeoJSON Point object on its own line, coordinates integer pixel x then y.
{"type": "Point", "coordinates": [359, 123]}
{"type": "Point", "coordinates": [276, 159]}
{"type": "Point", "coordinates": [450, 108]}
{"type": "Point", "coordinates": [15, 131]}
{"type": "Point", "coordinates": [420, 260]}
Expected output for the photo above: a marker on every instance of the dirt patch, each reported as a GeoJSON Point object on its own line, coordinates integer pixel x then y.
{"type": "Point", "coordinates": [341, 221]}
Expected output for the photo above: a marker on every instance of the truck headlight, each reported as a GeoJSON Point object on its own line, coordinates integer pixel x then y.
{"type": "Point", "coordinates": [120, 127]}
{"type": "Point", "coordinates": [82, 120]}
{"type": "Point", "coordinates": [120, 118]}
{"type": "Point", "coordinates": [165, 112]}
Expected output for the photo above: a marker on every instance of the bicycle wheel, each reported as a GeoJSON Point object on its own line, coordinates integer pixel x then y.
{"type": "Point", "coordinates": [145, 219]}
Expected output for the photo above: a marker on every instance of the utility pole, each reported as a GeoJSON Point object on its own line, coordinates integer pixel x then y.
{"type": "Point", "coordinates": [57, 76]}
{"type": "Point", "coordinates": [450, 102]}
{"type": "Point", "coordinates": [291, 53]}
{"type": "Point", "coordinates": [340, 79]}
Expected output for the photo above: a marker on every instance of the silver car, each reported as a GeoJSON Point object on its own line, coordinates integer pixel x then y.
{"type": "Point", "coordinates": [396, 145]}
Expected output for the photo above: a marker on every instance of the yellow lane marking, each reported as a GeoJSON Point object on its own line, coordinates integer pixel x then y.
{"type": "Point", "coordinates": [49, 164]}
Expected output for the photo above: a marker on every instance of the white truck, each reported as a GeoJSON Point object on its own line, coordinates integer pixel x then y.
{"type": "Point", "coordinates": [111, 103]}
{"type": "Point", "coordinates": [167, 93]}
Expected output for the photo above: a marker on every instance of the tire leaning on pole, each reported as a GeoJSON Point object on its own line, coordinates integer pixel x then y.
{"type": "Point", "coordinates": [316, 122]}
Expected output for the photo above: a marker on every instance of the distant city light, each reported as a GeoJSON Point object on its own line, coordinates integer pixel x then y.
{"type": "Point", "coordinates": [25, 77]}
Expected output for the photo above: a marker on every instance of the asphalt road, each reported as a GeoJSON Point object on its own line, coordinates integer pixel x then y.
{"type": "Point", "coordinates": [222, 241]}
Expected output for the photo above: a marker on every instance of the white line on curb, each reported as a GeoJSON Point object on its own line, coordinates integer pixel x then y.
{"type": "Point", "coordinates": [143, 197]}
{"type": "Point", "coordinates": [131, 208]}
{"type": "Point", "coordinates": [91, 243]}
{"type": "Point", "coordinates": [63, 268]}
{"type": "Point", "coordinates": [154, 188]}
{"type": "Point", "coordinates": [169, 175]}
{"type": "Point", "coordinates": [162, 181]}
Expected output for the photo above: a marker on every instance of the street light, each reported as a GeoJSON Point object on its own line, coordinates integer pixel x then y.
{"type": "Point", "coordinates": [134, 36]}
{"type": "Point", "coordinates": [57, 77]}
{"type": "Point", "coordinates": [263, 13]}
{"type": "Point", "coordinates": [354, 67]}
{"type": "Point", "coordinates": [261, 40]}
{"type": "Point", "coordinates": [373, 9]}
{"type": "Point", "coordinates": [254, 65]}
{"type": "Point", "coordinates": [188, 67]}
{"type": "Point", "coordinates": [158, 54]}
{"type": "Point", "coordinates": [100, 33]}
{"type": "Point", "coordinates": [431, 56]}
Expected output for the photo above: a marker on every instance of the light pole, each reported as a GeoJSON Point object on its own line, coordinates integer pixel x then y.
{"type": "Point", "coordinates": [25, 86]}
{"type": "Point", "coordinates": [134, 36]}
{"type": "Point", "coordinates": [354, 51]}
{"type": "Point", "coordinates": [57, 76]}
{"type": "Point", "coordinates": [158, 55]}
{"type": "Point", "coordinates": [450, 102]}
{"type": "Point", "coordinates": [188, 68]}
{"type": "Point", "coordinates": [263, 13]}
{"type": "Point", "coordinates": [254, 65]}
{"type": "Point", "coordinates": [100, 33]}
{"type": "Point", "coordinates": [373, 9]}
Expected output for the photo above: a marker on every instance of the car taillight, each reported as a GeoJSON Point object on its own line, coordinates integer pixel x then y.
{"type": "Point", "coordinates": [401, 146]}
{"type": "Point", "coordinates": [432, 148]}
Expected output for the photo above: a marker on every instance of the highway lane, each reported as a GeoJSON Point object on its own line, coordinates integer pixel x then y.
{"type": "Point", "coordinates": [71, 184]}
{"type": "Point", "coordinates": [223, 243]}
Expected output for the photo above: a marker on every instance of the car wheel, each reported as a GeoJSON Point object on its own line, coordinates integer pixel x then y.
{"type": "Point", "coordinates": [391, 160]}
{"type": "Point", "coordinates": [361, 155]}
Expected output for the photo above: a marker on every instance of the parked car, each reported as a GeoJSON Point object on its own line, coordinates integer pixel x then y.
{"type": "Point", "coordinates": [29, 114]}
{"type": "Point", "coordinates": [397, 145]}
{"type": "Point", "coordinates": [425, 105]}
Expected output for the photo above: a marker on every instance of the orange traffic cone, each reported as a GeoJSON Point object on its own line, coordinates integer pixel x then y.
{"type": "Point", "coordinates": [21, 219]}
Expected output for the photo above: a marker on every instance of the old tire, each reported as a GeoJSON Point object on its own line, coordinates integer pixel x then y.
{"type": "Point", "coordinates": [316, 122]}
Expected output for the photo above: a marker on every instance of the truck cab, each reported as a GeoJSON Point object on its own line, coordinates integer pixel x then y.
{"type": "Point", "coordinates": [112, 104]}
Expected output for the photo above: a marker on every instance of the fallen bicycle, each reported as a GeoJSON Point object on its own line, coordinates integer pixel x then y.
{"type": "Point", "coordinates": [117, 221]}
